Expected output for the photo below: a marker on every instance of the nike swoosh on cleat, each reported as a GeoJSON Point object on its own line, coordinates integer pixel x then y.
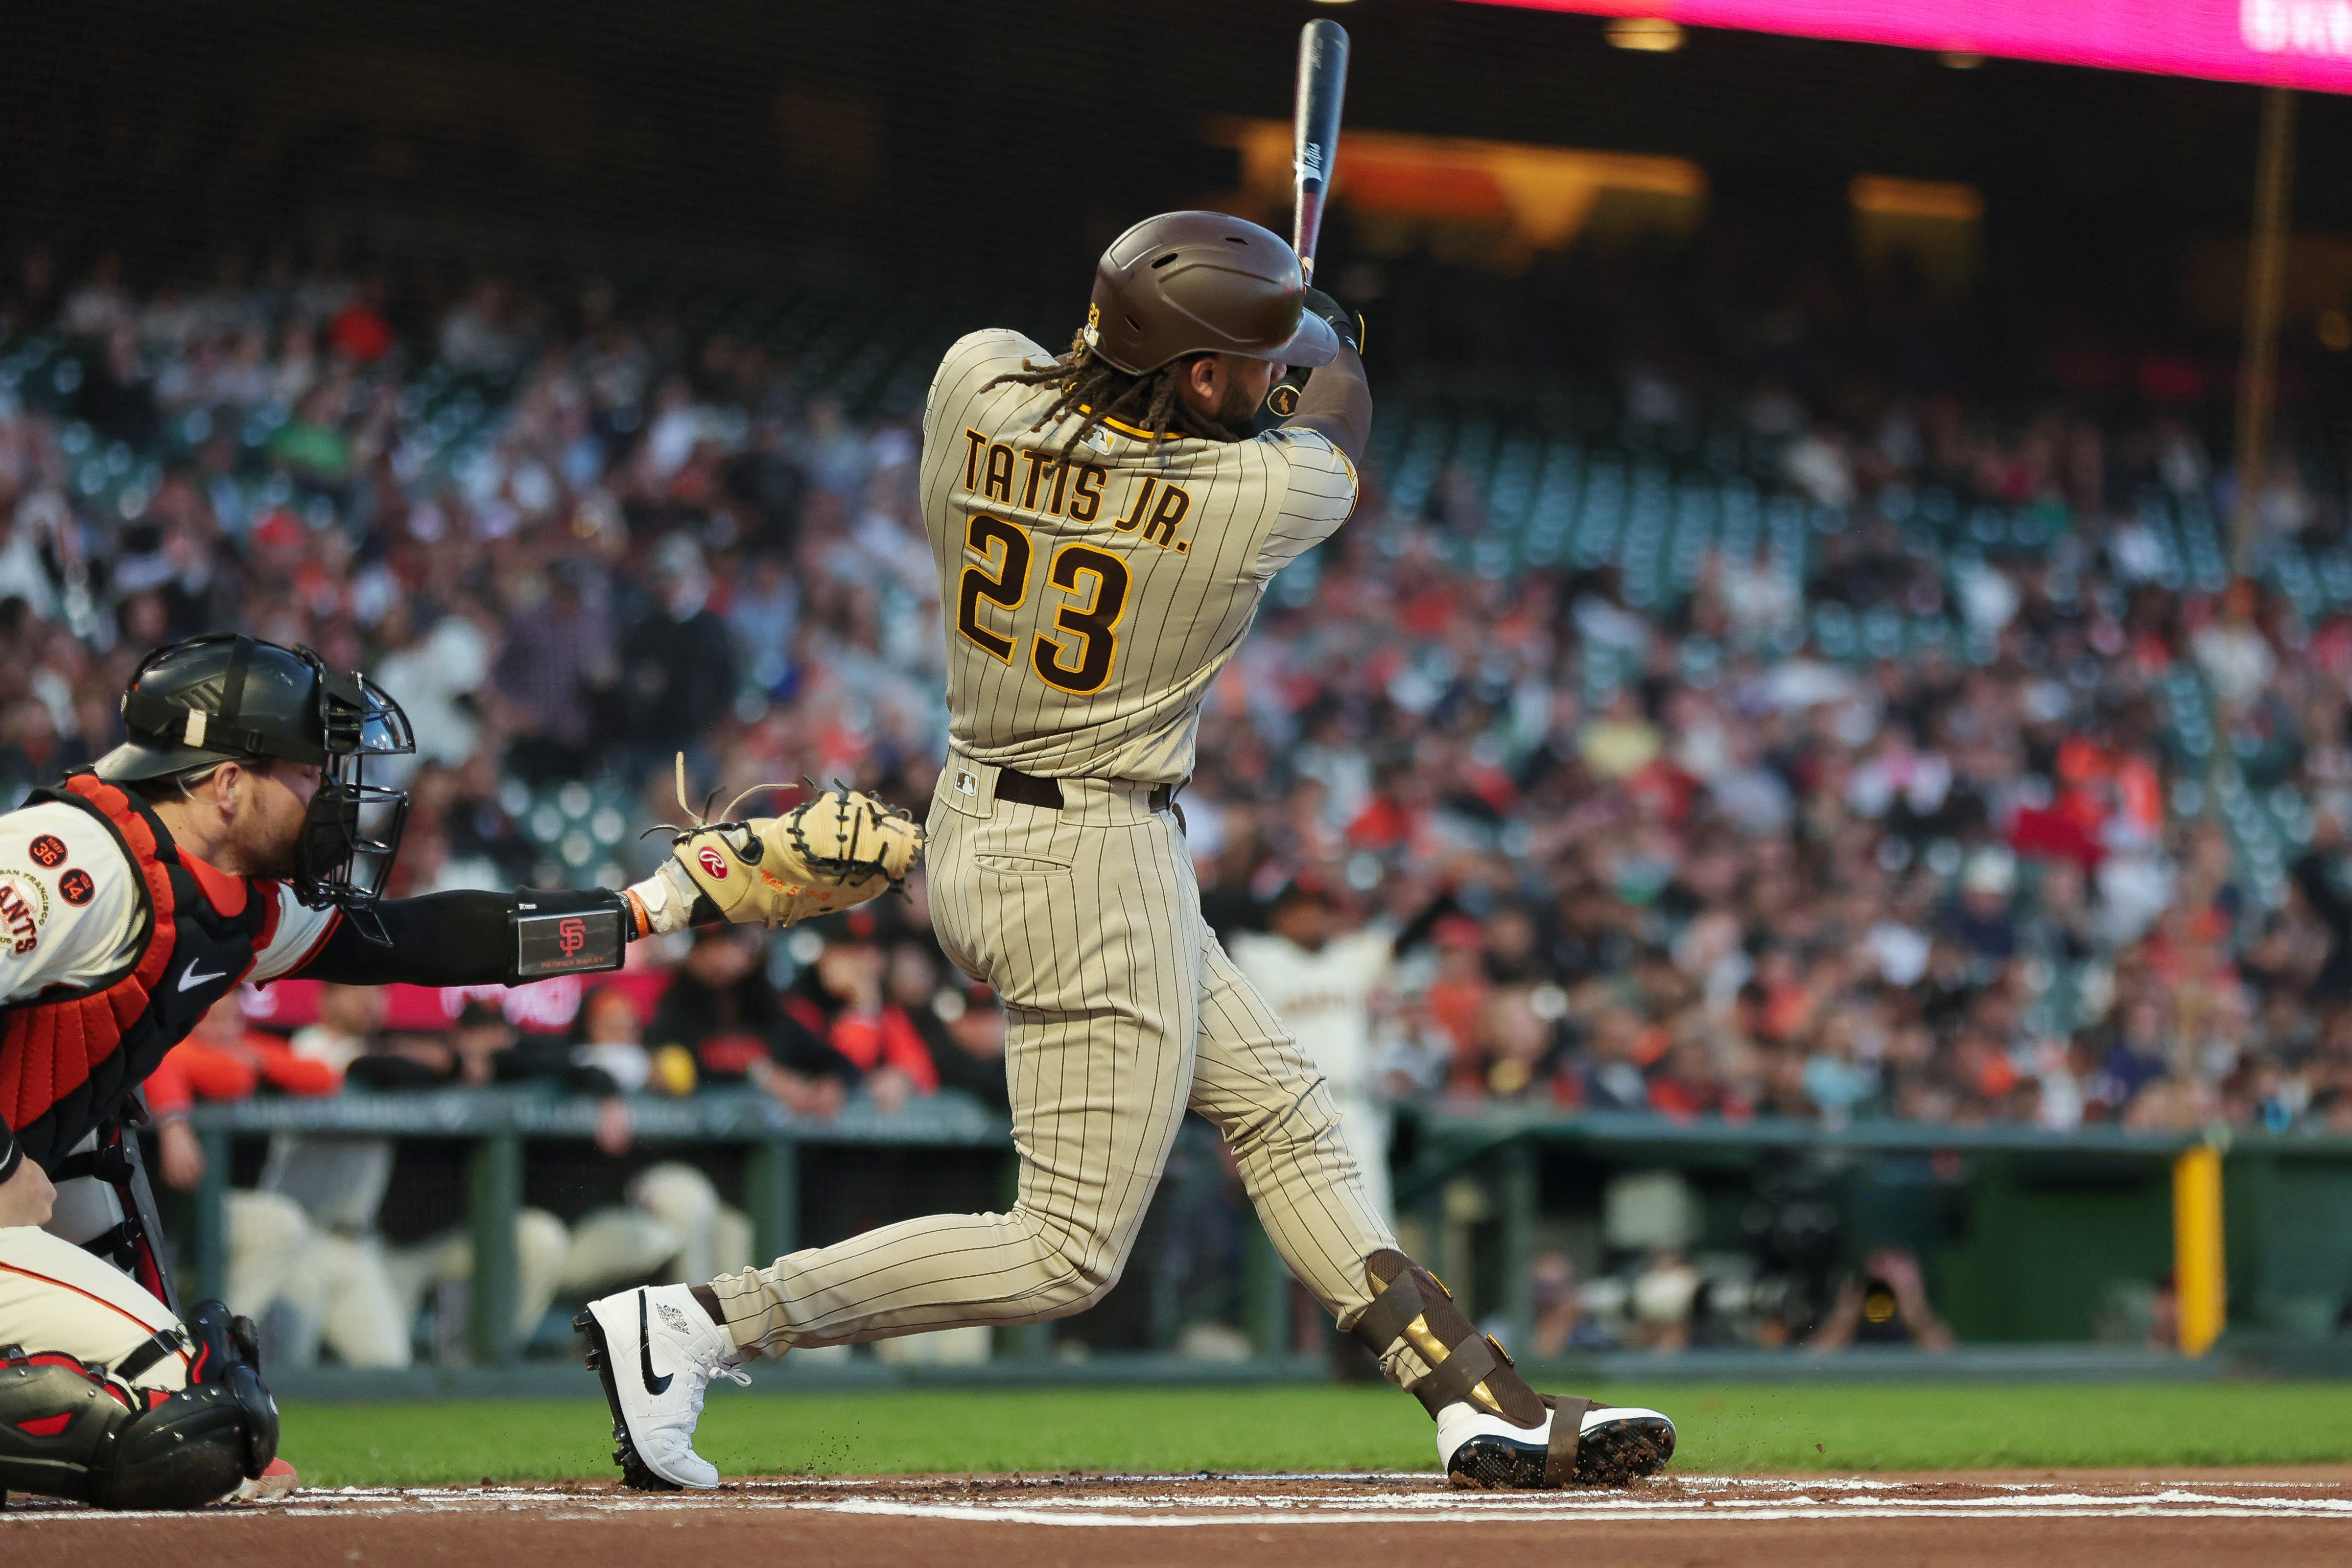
{"type": "Point", "coordinates": [646, 1354]}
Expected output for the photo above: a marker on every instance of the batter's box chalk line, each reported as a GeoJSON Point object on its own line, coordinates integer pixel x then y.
{"type": "Point", "coordinates": [1163, 1502]}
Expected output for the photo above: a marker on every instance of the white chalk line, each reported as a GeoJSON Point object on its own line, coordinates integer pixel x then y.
{"type": "Point", "coordinates": [1784, 1498]}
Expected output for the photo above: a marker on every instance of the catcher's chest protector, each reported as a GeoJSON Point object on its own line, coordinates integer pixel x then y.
{"type": "Point", "coordinates": [70, 1057]}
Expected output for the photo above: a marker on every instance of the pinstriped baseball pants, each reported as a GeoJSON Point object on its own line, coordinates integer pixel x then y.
{"type": "Point", "coordinates": [1122, 1010]}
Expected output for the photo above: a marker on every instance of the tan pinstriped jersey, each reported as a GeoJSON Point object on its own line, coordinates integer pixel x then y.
{"type": "Point", "coordinates": [1091, 600]}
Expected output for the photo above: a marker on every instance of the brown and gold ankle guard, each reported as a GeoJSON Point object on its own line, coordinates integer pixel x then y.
{"type": "Point", "coordinates": [1430, 1349]}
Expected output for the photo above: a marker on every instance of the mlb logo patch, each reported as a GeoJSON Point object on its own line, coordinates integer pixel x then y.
{"type": "Point", "coordinates": [967, 782]}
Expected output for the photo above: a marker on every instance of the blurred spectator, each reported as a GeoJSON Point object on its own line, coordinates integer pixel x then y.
{"type": "Point", "coordinates": [349, 1016]}
{"type": "Point", "coordinates": [1610, 1075]}
{"type": "Point", "coordinates": [558, 652]}
{"type": "Point", "coordinates": [1561, 1322]}
{"type": "Point", "coordinates": [842, 998]}
{"type": "Point", "coordinates": [1884, 1302]}
{"type": "Point", "coordinates": [678, 666]}
{"type": "Point", "coordinates": [608, 1038]}
{"type": "Point", "coordinates": [221, 1060]}
{"type": "Point", "coordinates": [1665, 1301]}
{"type": "Point", "coordinates": [961, 1023]}
{"type": "Point", "coordinates": [721, 1007]}
{"type": "Point", "coordinates": [1891, 718]}
{"type": "Point", "coordinates": [964, 1027]}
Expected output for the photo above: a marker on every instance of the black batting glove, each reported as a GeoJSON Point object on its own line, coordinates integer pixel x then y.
{"type": "Point", "coordinates": [1344, 321]}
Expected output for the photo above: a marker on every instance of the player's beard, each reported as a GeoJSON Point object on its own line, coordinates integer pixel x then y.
{"type": "Point", "coordinates": [1236, 412]}
{"type": "Point", "coordinates": [271, 849]}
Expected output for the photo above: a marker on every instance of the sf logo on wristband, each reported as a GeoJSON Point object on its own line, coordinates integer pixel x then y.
{"type": "Point", "coordinates": [566, 944]}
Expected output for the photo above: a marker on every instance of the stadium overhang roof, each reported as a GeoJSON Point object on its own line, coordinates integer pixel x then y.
{"type": "Point", "coordinates": [2279, 43]}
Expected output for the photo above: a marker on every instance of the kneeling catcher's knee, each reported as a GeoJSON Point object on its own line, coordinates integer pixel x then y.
{"type": "Point", "coordinates": [69, 1430]}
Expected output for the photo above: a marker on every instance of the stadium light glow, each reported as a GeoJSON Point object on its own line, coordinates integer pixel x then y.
{"type": "Point", "coordinates": [1916, 198]}
{"type": "Point", "coordinates": [2280, 43]}
{"type": "Point", "coordinates": [1651, 34]}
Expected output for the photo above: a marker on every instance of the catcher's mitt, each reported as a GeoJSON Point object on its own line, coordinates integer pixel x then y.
{"type": "Point", "coordinates": [833, 851]}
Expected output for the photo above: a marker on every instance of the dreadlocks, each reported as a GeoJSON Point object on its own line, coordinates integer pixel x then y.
{"type": "Point", "coordinates": [1097, 391]}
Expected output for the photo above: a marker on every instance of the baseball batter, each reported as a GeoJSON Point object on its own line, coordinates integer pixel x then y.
{"type": "Point", "coordinates": [1104, 524]}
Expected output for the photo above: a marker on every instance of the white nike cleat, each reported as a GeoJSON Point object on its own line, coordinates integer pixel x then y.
{"type": "Point", "coordinates": [657, 1351]}
{"type": "Point", "coordinates": [1614, 1444]}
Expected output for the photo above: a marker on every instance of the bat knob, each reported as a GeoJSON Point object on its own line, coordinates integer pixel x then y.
{"type": "Point", "coordinates": [1283, 400]}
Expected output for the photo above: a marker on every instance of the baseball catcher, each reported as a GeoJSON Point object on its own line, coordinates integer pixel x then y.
{"type": "Point", "coordinates": [1103, 523]}
{"type": "Point", "coordinates": [234, 838]}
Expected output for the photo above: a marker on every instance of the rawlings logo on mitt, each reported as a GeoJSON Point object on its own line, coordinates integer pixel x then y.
{"type": "Point", "coordinates": [833, 851]}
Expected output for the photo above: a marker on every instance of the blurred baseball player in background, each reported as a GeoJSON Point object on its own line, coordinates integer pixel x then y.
{"type": "Point", "coordinates": [1323, 973]}
{"type": "Point", "coordinates": [224, 843]}
{"type": "Point", "coordinates": [1104, 525]}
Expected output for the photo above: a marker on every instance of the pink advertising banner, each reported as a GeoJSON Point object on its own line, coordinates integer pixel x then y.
{"type": "Point", "coordinates": [2289, 43]}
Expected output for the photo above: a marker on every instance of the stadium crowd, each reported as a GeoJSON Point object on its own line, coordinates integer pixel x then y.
{"type": "Point", "coordinates": [1973, 882]}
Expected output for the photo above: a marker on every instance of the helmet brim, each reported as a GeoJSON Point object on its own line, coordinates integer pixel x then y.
{"type": "Point", "coordinates": [136, 762]}
{"type": "Point", "coordinates": [1314, 345]}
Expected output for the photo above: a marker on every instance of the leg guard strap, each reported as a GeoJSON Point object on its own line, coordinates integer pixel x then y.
{"type": "Point", "coordinates": [148, 1351]}
{"type": "Point", "coordinates": [1567, 1429]}
{"type": "Point", "coordinates": [1465, 1373]}
{"type": "Point", "coordinates": [1412, 1312]}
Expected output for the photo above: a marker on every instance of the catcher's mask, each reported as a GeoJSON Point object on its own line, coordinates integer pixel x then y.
{"type": "Point", "coordinates": [226, 698]}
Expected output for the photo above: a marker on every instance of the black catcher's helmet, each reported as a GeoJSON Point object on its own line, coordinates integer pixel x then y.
{"type": "Point", "coordinates": [224, 698]}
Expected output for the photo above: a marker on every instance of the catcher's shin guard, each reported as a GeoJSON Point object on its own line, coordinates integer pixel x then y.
{"type": "Point", "coordinates": [1511, 1436]}
{"type": "Point", "coordinates": [59, 1423]}
{"type": "Point", "coordinates": [69, 1430]}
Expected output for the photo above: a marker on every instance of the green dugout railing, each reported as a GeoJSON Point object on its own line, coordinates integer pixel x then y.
{"type": "Point", "coordinates": [2017, 1226]}
{"type": "Point", "coordinates": [499, 1121]}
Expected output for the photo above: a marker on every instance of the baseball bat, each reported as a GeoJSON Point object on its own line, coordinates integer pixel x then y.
{"type": "Point", "coordinates": [1322, 85]}
{"type": "Point", "coordinates": [1315, 126]}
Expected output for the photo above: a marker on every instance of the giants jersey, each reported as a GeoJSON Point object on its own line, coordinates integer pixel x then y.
{"type": "Point", "coordinates": [70, 913]}
{"type": "Point", "coordinates": [1091, 600]}
{"type": "Point", "coordinates": [1325, 996]}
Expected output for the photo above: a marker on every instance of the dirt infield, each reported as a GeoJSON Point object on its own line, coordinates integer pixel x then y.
{"type": "Point", "coordinates": [2143, 1520]}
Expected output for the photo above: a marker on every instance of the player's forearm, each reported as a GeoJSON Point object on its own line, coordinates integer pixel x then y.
{"type": "Point", "coordinates": [480, 939]}
{"type": "Point", "coordinates": [1338, 402]}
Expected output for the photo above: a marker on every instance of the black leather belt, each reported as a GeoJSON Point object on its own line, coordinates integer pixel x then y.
{"type": "Point", "coordinates": [1028, 789]}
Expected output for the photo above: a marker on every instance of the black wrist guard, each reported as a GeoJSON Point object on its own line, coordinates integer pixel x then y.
{"type": "Point", "coordinates": [1341, 320]}
{"type": "Point", "coordinates": [567, 932]}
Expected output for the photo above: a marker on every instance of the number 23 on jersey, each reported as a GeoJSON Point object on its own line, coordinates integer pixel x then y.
{"type": "Point", "coordinates": [1078, 656]}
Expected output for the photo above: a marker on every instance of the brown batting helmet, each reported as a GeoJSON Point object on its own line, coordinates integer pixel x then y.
{"type": "Point", "coordinates": [1194, 283]}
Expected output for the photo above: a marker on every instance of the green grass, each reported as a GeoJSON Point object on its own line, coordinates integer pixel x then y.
{"type": "Point", "coordinates": [1733, 1428]}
